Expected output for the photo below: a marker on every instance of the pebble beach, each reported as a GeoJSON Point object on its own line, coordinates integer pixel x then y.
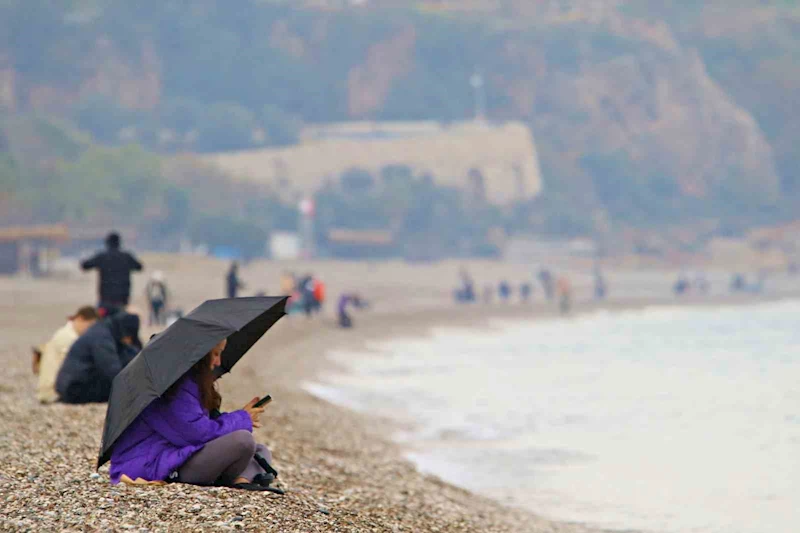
{"type": "Point", "coordinates": [338, 468]}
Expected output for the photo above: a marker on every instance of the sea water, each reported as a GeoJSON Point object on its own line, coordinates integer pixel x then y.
{"type": "Point", "coordinates": [662, 419]}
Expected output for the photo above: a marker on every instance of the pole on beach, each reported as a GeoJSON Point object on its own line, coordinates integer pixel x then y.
{"type": "Point", "coordinates": [476, 81]}
{"type": "Point", "coordinates": [307, 210]}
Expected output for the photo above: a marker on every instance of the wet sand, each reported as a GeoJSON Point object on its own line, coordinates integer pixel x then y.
{"type": "Point", "coordinates": [340, 470]}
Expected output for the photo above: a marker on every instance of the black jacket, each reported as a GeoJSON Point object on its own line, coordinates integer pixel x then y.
{"type": "Point", "coordinates": [93, 361]}
{"type": "Point", "coordinates": [232, 283]}
{"type": "Point", "coordinates": [115, 267]}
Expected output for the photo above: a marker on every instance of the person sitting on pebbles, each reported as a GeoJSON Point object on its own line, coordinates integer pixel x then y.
{"type": "Point", "coordinates": [175, 438]}
{"type": "Point", "coordinates": [97, 357]}
{"type": "Point", "coordinates": [49, 358]}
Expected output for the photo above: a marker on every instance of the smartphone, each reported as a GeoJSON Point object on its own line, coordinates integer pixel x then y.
{"type": "Point", "coordinates": [263, 401]}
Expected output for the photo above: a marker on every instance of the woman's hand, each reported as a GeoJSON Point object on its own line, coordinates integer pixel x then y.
{"type": "Point", "coordinates": [254, 412]}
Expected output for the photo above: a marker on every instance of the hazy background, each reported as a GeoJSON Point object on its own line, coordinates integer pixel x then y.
{"type": "Point", "coordinates": [658, 135]}
{"type": "Point", "coordinates": [648, 126]}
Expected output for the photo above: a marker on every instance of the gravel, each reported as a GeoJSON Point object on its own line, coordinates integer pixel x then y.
{"type": "Point", "coordinates": [337, 477]}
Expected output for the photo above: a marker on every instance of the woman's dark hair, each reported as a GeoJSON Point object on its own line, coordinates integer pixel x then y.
{"type": "Point", "coordinates": [204, 377]}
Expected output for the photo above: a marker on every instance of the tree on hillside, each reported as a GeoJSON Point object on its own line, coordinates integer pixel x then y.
{"type": "Point", "coordinates": [231, 77]}
{"type": "Point", "coordinates": [9, 180]}
{"type": "Point", "coordinates": [120, 181]}
{"type": "Point", "coordinates": [226, 126]}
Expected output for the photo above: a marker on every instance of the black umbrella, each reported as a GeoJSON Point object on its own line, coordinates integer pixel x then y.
{"type": "Point", "coordinates": [171, 353]}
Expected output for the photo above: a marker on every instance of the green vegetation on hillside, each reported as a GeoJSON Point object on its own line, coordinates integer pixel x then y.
{"type": "Point", "coordinates": [427, 220]}
{"type": "Point", "coordinates": [630, 127]}
{"type": "Point", "coordinates": [56, 175]}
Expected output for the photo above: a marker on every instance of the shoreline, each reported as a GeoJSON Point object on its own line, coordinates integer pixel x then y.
{"type": "Point", "coordinates": [410, 324]}
{"type": "Point", "coordinates": [296, 368]}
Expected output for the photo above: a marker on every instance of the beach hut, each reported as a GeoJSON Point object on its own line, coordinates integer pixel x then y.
{"type": "Point", "coordinates": [29, 248]}
{"type": "Point", "coordinates": [351, 243]}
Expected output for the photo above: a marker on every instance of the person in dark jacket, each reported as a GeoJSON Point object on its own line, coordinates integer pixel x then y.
{"type": "Point", "coordinates": [96, 358]}
{"type": "Point", "coordinates": [306, 287]}
{"type": "Point", "coordinates": [467, 291]}
{"type": "Point", "coordinates": [546, 279]}
{"type": "Point", "coordinates": [115, 267]}
{"type": "Point", "coordinates": [525, 292]}
{"type": "Point", "coordinates": [232, 281]}
{"type": "Point", "coordinates": [504, 290]}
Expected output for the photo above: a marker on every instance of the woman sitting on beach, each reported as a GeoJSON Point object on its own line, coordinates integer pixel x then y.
{"type": "Point", "coordinates": [174, 438]}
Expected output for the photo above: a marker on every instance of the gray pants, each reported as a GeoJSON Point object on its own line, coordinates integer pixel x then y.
{"type": "Point", "coordinates": [224, 459]}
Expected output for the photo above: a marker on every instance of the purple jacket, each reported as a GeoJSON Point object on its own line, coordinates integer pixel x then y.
{"type": "Point", "coordinates": [168, 432]}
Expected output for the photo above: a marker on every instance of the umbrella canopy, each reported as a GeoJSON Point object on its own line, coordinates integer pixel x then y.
{"type": "Point", "coordinates": [171, 353]}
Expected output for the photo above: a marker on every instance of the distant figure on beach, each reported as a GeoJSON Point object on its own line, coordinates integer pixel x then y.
{"type": "Point", "coordinates": [504, 290]}
{"type": "Point", "coordinates": [35, 263]}
{"type": "Point", "coordinates": [738, 283]}
{"type": "Point", "coordinates": [115, 267]}
{"type": "Point", "coordinates": [701, 283]}
{"type": "Point", "coordinates": [525, 292]}
{"type": "Point", "coordinates": [681, 286]}
{"type": "Point", "coordinates": [97, 357]}
{"type": "Point", "coordinates": [466, 292]}
{"type": "Point", "coordinates": [319, 294]}
{"type": "Point", "coordinates": [344, 318]}
{"type": "Point", "coordinates": [308, 288]}
{"type": "Point", "coordinates": [232, 281]}
{"type": "Point", "coordinates": [53, 353]}
{"type": "Point", "coordinates": [156, 291]}
{"type": "Point", "coordinates": [546, 279]}
{"type": "Point", "coordinates": [564, 291]}
{"type": "Point", "coordinates": [600, 287]}
{"type": "Point", "coordinates": [182, 437]}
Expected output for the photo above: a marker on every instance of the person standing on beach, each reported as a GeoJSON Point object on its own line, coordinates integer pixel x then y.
{"type": "Point", "coordinates": [546, 279]}
{"type": "Point", "coordinates": [682, 285]}
{"type": "Point", "coordinates": [318, 294]}
{"type": "Point", "coordinates": [306, 288]}
{"type": "Point", "coordinates": [525, 292]}
{"type": "Point", "coordinates": [564, 290]}
{"type": "Point", "coordinates": [55, 351]}
{"type": "Point", "coordinates": [466, 293]}
{"type": "Point", "coordinates": [115, 267]}
{"type": "Point", "coordinates": [504, 290]}
{"type": "Point", "coordinates": [600, 286]}
{"type": "Point", "coordinates": [232, 281]}
{"type": "Point", "coordinates": [157, 297]}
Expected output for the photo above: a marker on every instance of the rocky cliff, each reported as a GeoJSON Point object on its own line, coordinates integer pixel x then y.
{"type": "Point", "coordinates": [630, 102]}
